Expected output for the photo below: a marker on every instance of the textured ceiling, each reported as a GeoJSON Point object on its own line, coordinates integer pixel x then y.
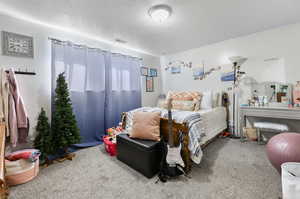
{"type": "Point", "coordinates": [194, 22]}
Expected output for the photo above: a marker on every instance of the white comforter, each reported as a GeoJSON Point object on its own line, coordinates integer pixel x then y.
{"type": "Point", "coordinates": [193, 120]}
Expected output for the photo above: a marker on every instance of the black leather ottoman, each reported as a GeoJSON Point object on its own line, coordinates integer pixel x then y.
{"type": "Point", "coordinates": [142, 155]}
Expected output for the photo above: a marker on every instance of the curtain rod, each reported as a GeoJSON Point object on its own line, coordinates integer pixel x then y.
{"type": "Point", "coordinates": [80, 45]}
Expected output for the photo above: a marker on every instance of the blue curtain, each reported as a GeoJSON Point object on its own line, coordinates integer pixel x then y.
{"type": "Point", "coordinates": [102, 85]}
{"type": "Point", "coordinates": [123, 91]}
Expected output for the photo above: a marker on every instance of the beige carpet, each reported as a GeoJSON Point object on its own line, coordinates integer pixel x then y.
{"type": "Point", "coordinates": [229, 170]}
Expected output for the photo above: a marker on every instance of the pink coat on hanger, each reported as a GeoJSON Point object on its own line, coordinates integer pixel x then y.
{"type": "Point", "coordinates": [18, 121]}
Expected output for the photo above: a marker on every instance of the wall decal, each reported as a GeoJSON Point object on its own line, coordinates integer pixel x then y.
{"type": "Point", "coordinates": [211, 71]}
{"type": "Point", "coordinates": [178, 63]}
{"type": "Point", "coordinates": [198, 73]}
{"type": "Point", "coordinates": [227, 76]}
{"type": "Point", "coordinates": [175, 69]}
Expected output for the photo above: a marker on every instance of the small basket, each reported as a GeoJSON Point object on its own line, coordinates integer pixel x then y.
{"type": "Point", "coordinates": [110, 147]}
{"type": "Point", "coordinates": [21, 170]}
{"type": "Point", "coordinates": [250, 133]}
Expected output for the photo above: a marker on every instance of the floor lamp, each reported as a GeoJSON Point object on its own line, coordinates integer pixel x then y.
{"type": "Point", "coordinates": [237, 61]}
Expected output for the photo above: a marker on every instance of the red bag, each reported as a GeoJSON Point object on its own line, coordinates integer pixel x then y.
{"type": "Point", "coordinates": [110, 147]}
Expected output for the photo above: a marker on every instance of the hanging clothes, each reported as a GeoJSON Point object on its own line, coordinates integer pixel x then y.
{"type": "Point", "coordinates": [17, 117]}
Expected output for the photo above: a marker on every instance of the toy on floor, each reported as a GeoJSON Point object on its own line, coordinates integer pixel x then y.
{"type": "Point", "coordinates": [113, 132]}
{"type": "Point", "coordinates": [225, 134]}
{"type": "Point", "coordinates": [110, 141]}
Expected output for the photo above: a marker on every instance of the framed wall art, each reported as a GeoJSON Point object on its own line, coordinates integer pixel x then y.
{"type": "Point", "coordinates": [153, 72]}
{"type": "Point", "coordinates": [149, 84]}
{"type": "Point", "coordinates": [144, 71]}
{"type": "Point", "coordinates": [175, 69]}
{"type": "Point", "coordinates": [17, 45]}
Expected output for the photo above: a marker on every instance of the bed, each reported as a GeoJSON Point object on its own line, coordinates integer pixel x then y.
{"type": "Point", "coordinates": [214, 121]}
{"type": "Point", "coordinates": [198, 128]}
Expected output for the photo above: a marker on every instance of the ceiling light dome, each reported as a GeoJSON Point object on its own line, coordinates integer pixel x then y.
{"type": "Point", "coordinates": [160, 12]}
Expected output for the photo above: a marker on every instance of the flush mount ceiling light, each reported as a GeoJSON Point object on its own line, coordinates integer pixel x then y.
{"type": "Point", "coordinates": [120, 41]}
{"type": "Point", "coordinates": [160, 13]}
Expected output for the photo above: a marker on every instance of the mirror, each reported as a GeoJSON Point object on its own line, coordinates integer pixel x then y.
{"type": "Point", "coordinates": [273, 93]}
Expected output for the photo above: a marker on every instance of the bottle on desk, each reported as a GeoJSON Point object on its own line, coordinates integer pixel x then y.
{"type": "Point", "coordinates": [296, 94]}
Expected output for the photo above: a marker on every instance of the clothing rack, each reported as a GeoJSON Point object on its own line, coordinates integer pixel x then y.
{"type": "Point", "coordinates": [85, 46]}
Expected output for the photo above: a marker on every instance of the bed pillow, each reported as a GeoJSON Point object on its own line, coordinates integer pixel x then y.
{"type": "Point", "coordinates": [146, 125]}
{"type": "Point", "coordinates": [207, 100]}
{"type": "Point", "coordinates": [183, 105]}
{"type": "Point", "coordinates": [194, 96]}
{"type": "Point", "coordinates": [162, 103]}
{"type": "Point", "coordinates": [184, 96]}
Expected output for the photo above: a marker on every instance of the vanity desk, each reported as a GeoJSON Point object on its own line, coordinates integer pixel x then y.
{"type": "Point", "coordinates": [266, 112]}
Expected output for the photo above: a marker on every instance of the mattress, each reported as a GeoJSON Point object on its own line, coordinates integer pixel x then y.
{"type": "Point", "coordinates": [213, 122]}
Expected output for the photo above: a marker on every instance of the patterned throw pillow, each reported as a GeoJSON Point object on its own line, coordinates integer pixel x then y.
{"type": "Point", "coordinates": [194, 96]}
{"type": "Point", "coordinates": [183, 105]}
{"type": "Point", "coordinates": [185, 96]}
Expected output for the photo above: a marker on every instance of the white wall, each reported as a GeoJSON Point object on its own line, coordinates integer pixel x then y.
{"type": "Point", "coordinates": [36, 89]}
{"type": "Point", "coordinates": [282, 43]}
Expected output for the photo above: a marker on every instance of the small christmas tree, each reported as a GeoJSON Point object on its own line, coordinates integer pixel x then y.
{"type": "Point", "coordinates": [64, 126]}
{"type": "Point", "coordinates": [43, 140]}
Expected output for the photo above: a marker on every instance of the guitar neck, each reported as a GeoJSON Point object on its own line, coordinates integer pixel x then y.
{"type": "Point", "coordinates": [170, 122]}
